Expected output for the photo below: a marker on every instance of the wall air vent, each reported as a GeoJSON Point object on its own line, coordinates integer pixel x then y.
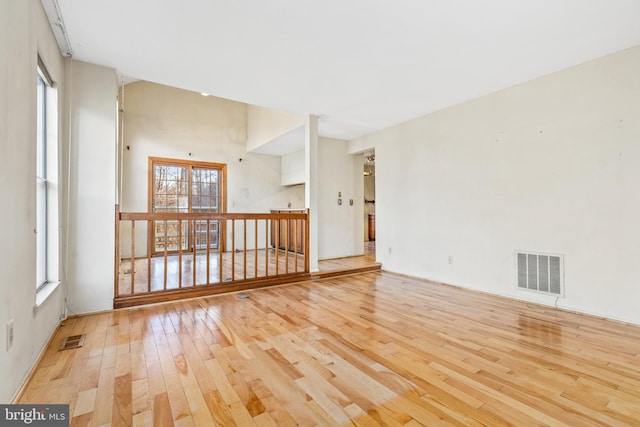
{"type": "Point", "coordinates": [540, 272]}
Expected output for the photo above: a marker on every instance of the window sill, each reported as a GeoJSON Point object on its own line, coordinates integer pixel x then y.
{"type": "Point", "coordinates": [44, 293]}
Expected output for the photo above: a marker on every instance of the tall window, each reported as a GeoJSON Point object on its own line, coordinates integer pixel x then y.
{"type": "Point", "coordinates": [46, 177]}
{"type": "Point", "coordinates": [183, 186]}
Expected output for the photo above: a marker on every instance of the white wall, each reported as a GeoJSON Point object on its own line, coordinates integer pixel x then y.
{"type": "Point", "coordinates": [266, 124]}
{"type": "Point", "coordinates": [161, 121]}
{"type": "Point", "coordinates": [24, 33]}
{"type": "Point", "coordinates": [292, 168]}
{"type": "Point", "coordinates": [550, 166]}
{"type": "Point", "coordinates": [92, 193]}
{"type": "Point", "coordinates": [340, 232]}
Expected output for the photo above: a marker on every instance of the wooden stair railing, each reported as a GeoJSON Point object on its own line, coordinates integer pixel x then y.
{"type": "Point", "coordinates": [195, 267]}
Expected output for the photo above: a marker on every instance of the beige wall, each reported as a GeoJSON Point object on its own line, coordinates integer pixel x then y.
{"type": "Point", "coordinates": [24, 33]}
{"type": "Point", "coordinates": [546, 166]}
{"type": "Point", "coordinates": [339, 226]}
{"type": "Point", "coordinates": [94, 92]}
{"type": "Point", "coordinates": [292, 167]}
{"type": "Point", "coordinates": [265, 124]}
{"type": "Point", "coordinates": [162, 121]}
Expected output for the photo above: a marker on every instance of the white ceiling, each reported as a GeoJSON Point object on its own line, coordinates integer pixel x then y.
{"type": "Point", "coordinates": [360, 65]}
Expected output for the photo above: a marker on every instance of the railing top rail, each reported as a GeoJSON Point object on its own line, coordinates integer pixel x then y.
{"type": "Point", "coordinates": [174, 216]}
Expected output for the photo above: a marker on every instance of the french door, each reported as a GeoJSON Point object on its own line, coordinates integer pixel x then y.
{"type": "Point", "coordinates": [183, 186]}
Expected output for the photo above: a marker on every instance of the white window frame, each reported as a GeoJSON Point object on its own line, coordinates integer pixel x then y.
{"type": "Point", "coordinates": [46, 168]}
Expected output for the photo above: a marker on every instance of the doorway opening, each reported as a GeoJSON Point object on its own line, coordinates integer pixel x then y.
{"type": "Point", "coordinates": [369, 174]}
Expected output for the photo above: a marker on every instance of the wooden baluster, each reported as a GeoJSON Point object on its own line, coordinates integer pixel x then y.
{"type": "Point", "coordinates": [164, 285]}
{"type": "Point", "coordinates": [306, 243]}
{"type": "Point", "coordinates": [116, 255]}
{"type": "Point", "coordinates": [255, 247]}
{"type": "Point", "coordinates": [206, 282]}
{"type": "Point", "coordinates": [277, 248]}
{"type": "Point", "coordinates": [266, 247]}
{"type": "Point", "coordinates": [286, 247]}
{"type": "Point", "coordinates": [295, 243]}
{"type": "Point", "coordinates": [244, 258]}
{"type": "Point", "coordinates": [221, 223]}
{"type": "Point", "coordinates": [233, 249]}
{"type": "Point", "coordinates": [179, 253]}
{"type": "Point", "coordinates": [195, 251]}
{"type": "Point", "coordinates": [149, 227]}
{"type": "Point", "coordinates": [133, 256]}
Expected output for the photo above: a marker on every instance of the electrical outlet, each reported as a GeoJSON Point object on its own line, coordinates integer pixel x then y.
{"type": "Point", "coordinates": [450, 259]}
{"type": "Point", "coordinates": [389, 250]}
{"type": "Point", "coordinates": [9, 334]}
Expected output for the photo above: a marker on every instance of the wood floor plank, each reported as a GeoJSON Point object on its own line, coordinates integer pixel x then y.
{"type": "Point", "coordinates": [161, 410]}
{"type": "Point", "coordinates": [91, 373]}
{"type": "Point", "coordinates": [104, 411]}
{"type": "Point", "coordinates": [223, 385]}
{"type": "Point", "coordinates": [367, 350]}
{"type": "Point", "coordinates": [272, 405]}
{"type": "Point", "coordinates": [122, 405]}
{"type": "Point", "coordinates": [138, 364]}
{"type": "Point", "coordinates": [177, 399]}
{"type": "Point", "coordinates": [359, 417]}
{"type": "Point", "coordinates": [86, 402]}
{"type": "Point", "coordinates": [283, 388]}
{"type": "Point", "coordinates": [198, 406]}
{"type": "Point", "coordinates": [83, 420]}
{"type": "Point", "coordinates": [247, 396]}
{"type": "Point", "coordinates": [264, 420]}
{"type": "Point", "coordinates": [143, 419]}
{"type": "Point", "coordinates": [155, 379]}
{"type": "Point", "coordinates": [323, 400]}
{"type": "Point", "coordinates": [240, 415]}
{"type": "Point", "coordinates": [218, 409]}
{"type": "Point", "coordinates": [140, 399]}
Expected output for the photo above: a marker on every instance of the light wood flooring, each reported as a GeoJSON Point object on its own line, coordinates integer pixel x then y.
{"type": "Point", "coordinates": [361, 263]}
{"type": "Point", "coordinates": [366, 350]}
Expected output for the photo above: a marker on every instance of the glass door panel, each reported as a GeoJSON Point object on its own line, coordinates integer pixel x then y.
{"type": "Point", "coordinates": [172, 239]}
{"type": "Point", "coordinates": [170, 194]}
{"type": "Point", "coordinates": [181, 187]}
{"type": "Point", "coordinates": [205, 198]}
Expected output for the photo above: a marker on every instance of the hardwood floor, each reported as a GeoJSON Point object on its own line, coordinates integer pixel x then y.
{"type": "Point", "coordinates": [349, 265]}
{"type": "Point", "coordinates": [365, 350]}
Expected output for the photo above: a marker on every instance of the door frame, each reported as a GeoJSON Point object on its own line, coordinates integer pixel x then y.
{"type": "Point", "coordinates": [189, 164]}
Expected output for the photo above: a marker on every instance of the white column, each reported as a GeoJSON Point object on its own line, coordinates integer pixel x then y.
{"type": "Point", "coordinates": [311, 186]}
